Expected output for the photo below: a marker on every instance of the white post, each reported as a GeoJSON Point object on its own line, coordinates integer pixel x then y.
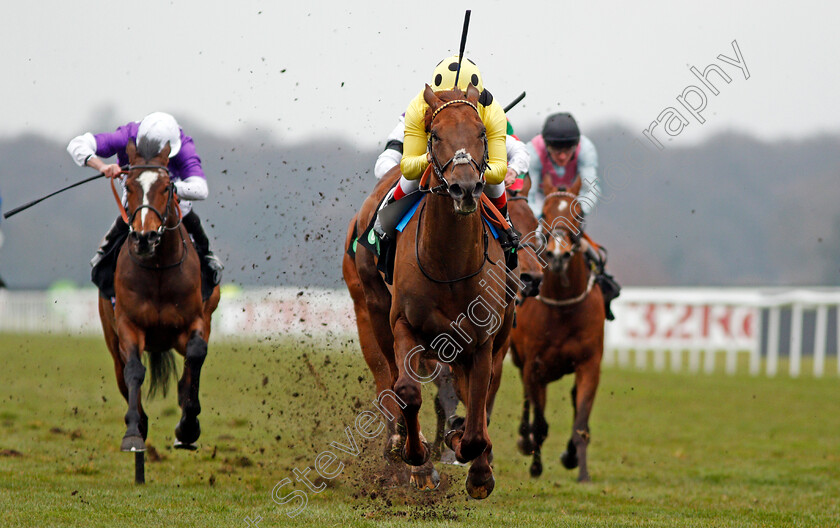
{"type": "Point", "coordinates": [659, 360]}
{"type": "Point", "coordinates": [641, 358]}
{"type": "Point", "coordinates": [608, 358]}
{"type": "Point", "coordinates": [694, 360]}
{"type": "Point", "coordinates": [755, 352]}
{"type": "Point", "coordinates": [819, 340]}
{"type": "Point", "coordinates": [623, 357]}
{"type": "Point", "coordinates": [796, 340]}
{"type": "Point", "coordinates": [731, 361]}
{"type": "Point", "coordinates": [773, 341]}
{"type": "Point", "coordinates": [709, 360]}
{"type": "Point", "coordinates": [676, 359]}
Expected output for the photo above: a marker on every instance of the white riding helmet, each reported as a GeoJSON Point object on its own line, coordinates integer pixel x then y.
{"type": "Point", "coordinates": [161, 127]}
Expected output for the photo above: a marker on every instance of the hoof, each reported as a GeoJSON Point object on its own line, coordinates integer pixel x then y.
{"type": "Point", "coordinates": [187, 433]}
{"type": "Point", "coordinates": [425, 481]}
{"type": "Point", "coordinates": [536, 469]}
{"type": "Point", "coordinates": [411, 462]}
{"type": "Point", "coordinates": [186, 447]}
{"type": "Point", "coordinates": [525, 446]}
{"type": "Point", "coordinates": [584, 479]}
{"type": "Point", "coordinates": [482, 490]}
{"type": "Point", "coordinates": [393, 448]}
{"type": "Point", "coordinates": [451, 436]}
{"type": "Point", "coordinates": [133, 444]}
{"type": "Point", "coordinates": [569, 461]}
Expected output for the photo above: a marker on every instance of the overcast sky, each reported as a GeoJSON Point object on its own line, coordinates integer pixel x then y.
{"type": "Point", "coordinates": [298, 70]}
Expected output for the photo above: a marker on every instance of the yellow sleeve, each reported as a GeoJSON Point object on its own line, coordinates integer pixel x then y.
{"type": "Point", "coordinates": [413, 161]}
{"type": "Point", "coordinates": [494, 120]}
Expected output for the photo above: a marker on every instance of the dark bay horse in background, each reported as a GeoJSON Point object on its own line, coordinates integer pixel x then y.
{"type": "Point", "coordinates": [560, 332]}
{"type": "Point", "coordinates": [443, 303]}
{"type": "Point", "coordinates": [158, 299]}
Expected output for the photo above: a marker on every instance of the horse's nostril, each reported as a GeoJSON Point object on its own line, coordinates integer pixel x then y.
{"type": "Point", "coordinates": [456, 191]}
{"type": "Point", "coordinates": [134, 236]}
{"type": "Point", "coordinates": [479, 188]}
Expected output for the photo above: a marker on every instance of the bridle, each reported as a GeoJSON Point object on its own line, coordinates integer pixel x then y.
{"type": "Point", "coordinates": [163, 217]}
{"type": "Point", "coordinates": [460, 157]}
{"type": "Point", "coordinates": [566, 257]}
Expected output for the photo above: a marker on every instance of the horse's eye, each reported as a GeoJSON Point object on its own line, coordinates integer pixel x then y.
{"type": "Point", "coordinates": [434, 137]}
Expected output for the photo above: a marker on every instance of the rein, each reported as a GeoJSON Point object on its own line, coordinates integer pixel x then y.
{"type": "Point", "coordinates": [485, 260]}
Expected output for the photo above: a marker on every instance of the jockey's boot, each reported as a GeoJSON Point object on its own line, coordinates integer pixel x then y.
{"type": "Point", "coordinates": [104, 262]}
{"type": "Point", "coordinates": [211, 266]}
{"type": "Point", "coordinates": [610, 289]}
{"type": "Point", "coordinates": [378, 228]}
{"type": "Point", "coordinates": [509, 239]}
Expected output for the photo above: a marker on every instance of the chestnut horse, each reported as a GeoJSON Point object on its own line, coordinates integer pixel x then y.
{"type": "Point", "coordinates": [451, 299]}
{"type": "Point", "coordinates": [158, 299]}
{"type": "Point", "coordinates": [531, 274]}
{"type": "Point", "coordinates": [560, 332]}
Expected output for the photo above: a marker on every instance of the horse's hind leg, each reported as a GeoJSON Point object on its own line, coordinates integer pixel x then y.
{"type": "Point", "coordinates": [446, 405]}
{"type": "Point", "coordinates": [583, 395]}
{"type": "Point", "coordinates": [188, 429]}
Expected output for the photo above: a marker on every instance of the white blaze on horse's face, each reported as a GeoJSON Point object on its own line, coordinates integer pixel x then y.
{"type": "Point", "coordinates": [562, 206]}
{"type": "Point", "coordinates": [146, 180]}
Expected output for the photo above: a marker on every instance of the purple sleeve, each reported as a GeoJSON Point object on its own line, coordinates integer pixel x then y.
{"type": "Point", "coordinates": [111, 143]}
{"type": "Point", "coordinates": [186, 163]}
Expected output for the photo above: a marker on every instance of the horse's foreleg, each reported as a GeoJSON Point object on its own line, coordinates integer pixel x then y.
{"type": "Point", "coordinates": [416, 450]}
{"type": "Point", "coordinates": [583, 396]}
{"type": "Point", "coordinates": [131, 346]}
{"type": "Point", "coordinates": [188, 429]}
{"type": "Point", "coordinates": [475, 439]}
{"type": "Point", "coordinates": [539, 428]}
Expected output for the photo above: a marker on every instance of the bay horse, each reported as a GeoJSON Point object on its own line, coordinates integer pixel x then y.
{"type": "Point", "coordinates": [158, 303]}
{"type": "Point", "coordinates": [559, 332]}
{"type": "Point", "coordinates": [448, 280]}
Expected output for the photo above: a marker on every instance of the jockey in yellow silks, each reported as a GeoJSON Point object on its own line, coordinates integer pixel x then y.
{"type": "Point", "coordinates": [414, 158]}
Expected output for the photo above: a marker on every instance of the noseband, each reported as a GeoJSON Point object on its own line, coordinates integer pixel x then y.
{"type": "Point", "coordinates": [461, 156]}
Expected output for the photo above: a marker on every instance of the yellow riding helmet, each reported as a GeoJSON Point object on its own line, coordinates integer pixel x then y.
{"type": "Point", "coordinates": [444, 76]}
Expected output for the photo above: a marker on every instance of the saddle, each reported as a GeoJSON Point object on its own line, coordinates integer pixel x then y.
{"type": "Point", "coordinates": [400, 212]}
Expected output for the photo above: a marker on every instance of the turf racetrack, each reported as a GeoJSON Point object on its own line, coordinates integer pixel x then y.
{"type": "Point", "coordinates": [667, 449]}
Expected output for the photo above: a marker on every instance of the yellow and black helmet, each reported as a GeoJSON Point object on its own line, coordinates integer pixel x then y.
{"type": "Point", "coordinates": [444, 76]}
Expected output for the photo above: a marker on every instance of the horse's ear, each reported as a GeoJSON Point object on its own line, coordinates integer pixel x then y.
{"type": "Point", "coordinates": [575, 188]}
{"type": "Point", "coordinates": [131, 151]}
{"type": "Point", "coordinates": [472, 94]}
{"type": "Point", "coordinates": [431, 99]}
{"type": "Point", "coordinates": [163, 157]}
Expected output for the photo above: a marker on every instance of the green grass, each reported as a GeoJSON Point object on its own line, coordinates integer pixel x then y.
{"type": "Point", "coordinates": [667, 450]}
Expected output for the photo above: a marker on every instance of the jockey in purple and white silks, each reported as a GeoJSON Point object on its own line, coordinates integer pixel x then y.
{"type": "Point", "coordinates": [185, 170]}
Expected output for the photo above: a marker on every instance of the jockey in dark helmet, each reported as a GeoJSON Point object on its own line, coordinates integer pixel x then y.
{"type": "Point", "coordinates": [559, 156]}
{"type": "Point", "coordinates": [184, 169]}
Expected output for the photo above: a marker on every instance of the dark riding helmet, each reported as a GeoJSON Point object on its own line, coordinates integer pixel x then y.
{"type": "Point", "coordinates": [561, 131]}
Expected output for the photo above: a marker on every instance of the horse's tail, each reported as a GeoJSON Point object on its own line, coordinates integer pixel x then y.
{"type": "Point", "coordinates": [162, 366]}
